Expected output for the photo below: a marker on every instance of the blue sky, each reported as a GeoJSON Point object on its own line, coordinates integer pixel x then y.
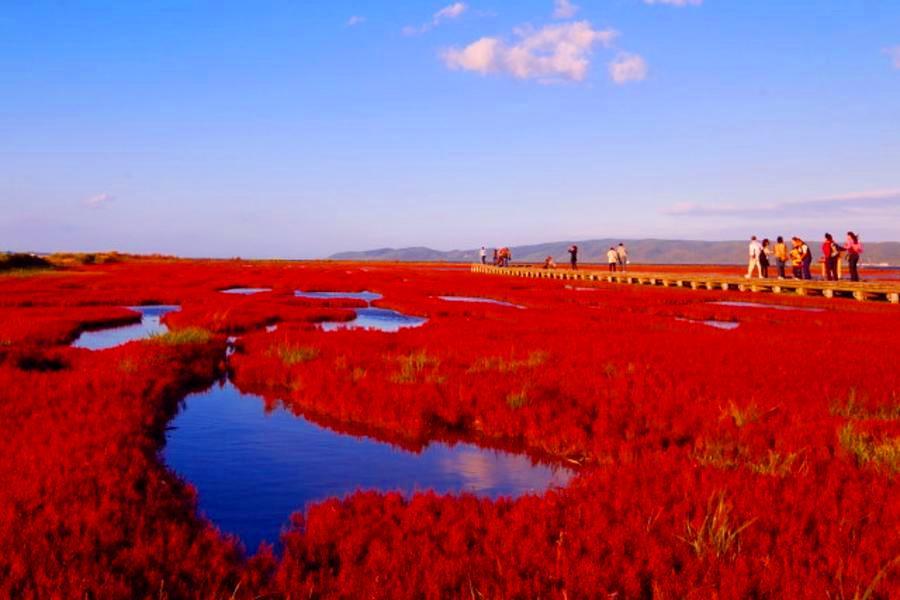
{"type": "Point", "coordinates": [298, 129]}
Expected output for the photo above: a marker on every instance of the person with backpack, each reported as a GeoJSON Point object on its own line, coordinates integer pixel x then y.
{"type": "Point", "coordinates": [612, 257]}
{"type": "Point", "coordinates": [854, 250]}
{"type": "Point", "coordinates": [831, 252]}
{"type": "Point", "coordinates": [806, 258]}
{"type": "Point", "coordinates": [781, 256]}
{"type": "Point", "coordinates": [573, 256]}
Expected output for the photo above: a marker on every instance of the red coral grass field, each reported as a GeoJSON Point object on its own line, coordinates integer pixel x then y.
{"type": "Point", "coordinates": [758, 462]}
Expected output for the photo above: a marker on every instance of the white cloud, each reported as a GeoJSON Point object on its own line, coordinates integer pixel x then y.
{"type": "Point", "coordinates": [551, 53]}
{"type": "Point", "coordinates": [355, 20]}
{"type": "Point", "coordinates": [626, 68]}
{"type": "Point", "coordinates": [564, 9]}
{"type": "Point", "coordinates": [894, 54]}
{"type": "Point", "coordinates": [872, 202]}
{"type": "Point", "coordinates": [448, 13]}
{"type": "Point", "coordinates": [98, 200]}
{"type": "Point", "coordinates": [675, 2]}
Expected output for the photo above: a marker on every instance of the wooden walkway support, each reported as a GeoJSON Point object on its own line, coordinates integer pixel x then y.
{"type": "Point", "coordinates": [884, 291]}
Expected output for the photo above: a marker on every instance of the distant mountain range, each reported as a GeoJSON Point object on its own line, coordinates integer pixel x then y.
{"type": "Point", "coordinates": [649, 251]}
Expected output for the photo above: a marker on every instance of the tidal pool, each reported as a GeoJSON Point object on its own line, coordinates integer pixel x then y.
{"type": "Point", "coordinates": [477, 299]}
{"type": "Point", "coordinates": [382, 319]}
{"type": "Point", "coordinates": [246, 291]}
{"type": "Point", "coordinates": [761, 305]}
{"type": "Point", "coordinates": [364, 296]}
{"type": "Point", "coordinates": [151, 324]}
{"type": "Point", "coordinates": [252, 469]}
{"type": "Point", "coordinates": [726, 325]}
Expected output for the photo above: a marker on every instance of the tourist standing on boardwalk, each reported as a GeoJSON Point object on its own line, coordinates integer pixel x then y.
{"type": "Point", "coordinates": [622, 253]}
{"type": "Point", "coordinates": [781, 256]}
{"type": "Point", "coordinates": [806, 258]}
{"type": "Point", "coordinates": [796, 259]}
{"type": "Point", "coordinates": [854, 249]}
{"type": "Point", "coordinates": [573, 256]}
{"type": "Point", "coordinates": [612, 257]}
{"type": "Point", "coordinates": [764, 258]}
{"type": "Point", "coordinates": [483, 254]}
{"type": "Point", "coordinates": [754, 250]}
{"type": "Point", "coordinates": [831, 253]}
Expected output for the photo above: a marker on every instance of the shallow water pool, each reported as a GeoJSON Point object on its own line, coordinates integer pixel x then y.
{"type": "Point", "coordinates": [365, 296]}
{"type": "Point", "coordinates": [479, 300]}
{"type": "Point", "coordinates": [252, 469]}
{"type": "Point", "coordinates": [246, 291]}
{"type": "Point", "coordinates": [151, 324]}
{"type": "Point", "coordinates": [762, 305]}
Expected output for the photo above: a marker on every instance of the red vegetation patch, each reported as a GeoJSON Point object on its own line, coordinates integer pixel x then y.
{"type": "Point", "coordinates": [760, 462]}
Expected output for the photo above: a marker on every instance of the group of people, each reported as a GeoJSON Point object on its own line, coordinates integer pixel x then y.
{"type": "Point", "coordinates": [617, 257]}
{"type": "Point", "coordinates": [502, 256]}
{"type": "Point", "coordinates": [800, 257]}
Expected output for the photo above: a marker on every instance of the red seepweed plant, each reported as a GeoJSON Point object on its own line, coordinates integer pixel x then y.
{"type": "Point", "coordinates": [757, 462]}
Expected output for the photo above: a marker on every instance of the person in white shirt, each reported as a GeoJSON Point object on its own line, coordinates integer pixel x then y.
{"type": "Point", "coordinates": [483, 254]}
{"type": "Point", "coordinates": [612, 257]}
{"type": "Point", "coordinates": [755, 249]}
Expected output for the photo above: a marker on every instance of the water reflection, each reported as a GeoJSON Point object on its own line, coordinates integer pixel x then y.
{"type": "Point", "coordinates": [726, 325]}
{"type": "Point", "coordinates": [772, 306]}
{"type": "Point", "coordinates": [477, 299]}
{"type": "Point", "coordinates": [151, 324]}
{"type": "Point", "coordinates": [381, 319]}
{"type": "Point", "coordinates": [253, 469]}
{"type": "Point", "coordinates": [246, 291]}
{"type": "Point", "coordinates": [364, 296]}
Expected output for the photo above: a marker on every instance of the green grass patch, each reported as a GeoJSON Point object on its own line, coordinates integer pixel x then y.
{"type": "Point", "coordinates": [741, 415]}
{"type": "Point", "coordinates": [724, 454]}
{"type": "Point", "coordinates": [416, 367]}
{"type": "Point", "coordinates": [178, 337]}
{"type": "Point", "coordinates": [294, 355]}
{"type": "Point", "coordinates": [718, 535]}
{"type": "Point", "coordinates": [502, 364]}
{"type": "Point", "coordinates": [517, 399]}
{"type": "Point", "coordinates": [881, 453]}
{"type": "Point", "coordinates": [856, 410]}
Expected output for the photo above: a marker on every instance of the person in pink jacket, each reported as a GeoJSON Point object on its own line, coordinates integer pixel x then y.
{"type": "Point", "coordinates": [854, 250]}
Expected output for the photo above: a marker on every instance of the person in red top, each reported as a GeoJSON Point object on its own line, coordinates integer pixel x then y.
{"type": "Point", "coordinates": [854, 249]}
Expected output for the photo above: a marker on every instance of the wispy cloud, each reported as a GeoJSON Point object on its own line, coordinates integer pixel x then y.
{"type": "Point", "coordinates": [448, 13]}
{"type": "Point", "coordinates": [675, 2]}
{"type": "Point", "coordinates": [355, 20]}
{"type": "Point", "coordinates": [627, 68]}
{"type": "Point", "coordinates": [894, 54]}
{"type": "Point", "coordinates": [564, 9]}
{"type": "Point", "coordinates": [98, 200]}
{"type": "Point", "coordinates": [863, 203]}
{"type": "Point", "coordinates": [551, 53]}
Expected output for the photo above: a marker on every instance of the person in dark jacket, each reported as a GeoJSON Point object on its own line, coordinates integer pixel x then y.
{"type": "Point", "coordinates": [764, 258]}
{"type": "Point", "coordinates": [573, 256]}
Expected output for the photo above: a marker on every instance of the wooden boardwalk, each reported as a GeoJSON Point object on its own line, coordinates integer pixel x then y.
{"type": "Point", "coordinates": [884, 291]}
